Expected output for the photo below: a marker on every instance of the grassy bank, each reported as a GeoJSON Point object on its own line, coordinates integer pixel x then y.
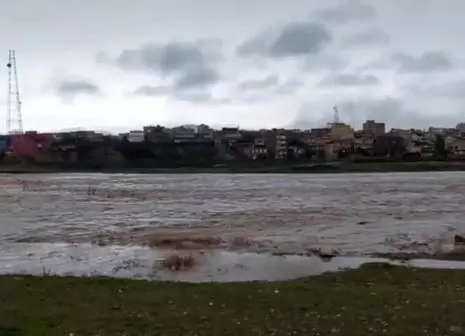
{"type": "Point", "coordinates": [374, 300]}
{"type": "Point", "coordinates": [308, 168]}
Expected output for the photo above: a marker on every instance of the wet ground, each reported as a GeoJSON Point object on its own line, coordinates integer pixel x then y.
{"type": "Point", "coordinates": [44, 217]}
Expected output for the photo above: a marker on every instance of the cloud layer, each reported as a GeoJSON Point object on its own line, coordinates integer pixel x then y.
{"type": "Point", "coordinates": [267, 63]}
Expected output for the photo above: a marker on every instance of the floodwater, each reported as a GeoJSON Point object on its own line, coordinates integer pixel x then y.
{"type": "Point", "coordinates": [45, 218]}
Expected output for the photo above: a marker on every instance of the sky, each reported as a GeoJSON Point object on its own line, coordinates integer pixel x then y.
{"type": "Point", "coordinates": [118, 65]}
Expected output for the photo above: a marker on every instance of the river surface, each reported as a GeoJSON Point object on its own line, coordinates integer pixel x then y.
{"type": "Point", "coordinates": [353, 214]}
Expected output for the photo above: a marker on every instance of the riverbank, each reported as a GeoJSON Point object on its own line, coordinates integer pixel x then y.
{"type": "Point", "coordinates": [305, 168]}
{"type": "Point", "coordinates": [376, 299]}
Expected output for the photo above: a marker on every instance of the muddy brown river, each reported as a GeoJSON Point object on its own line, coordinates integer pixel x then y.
{"type": "Point", "coordinates": [103, 217]}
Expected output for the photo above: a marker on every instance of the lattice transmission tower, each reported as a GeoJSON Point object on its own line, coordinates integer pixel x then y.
{"type": "Point", "coordinates": [14, 118]}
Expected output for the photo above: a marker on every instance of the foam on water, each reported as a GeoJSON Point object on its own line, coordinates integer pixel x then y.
{"type": "Point", "coordinates": [145, 263]}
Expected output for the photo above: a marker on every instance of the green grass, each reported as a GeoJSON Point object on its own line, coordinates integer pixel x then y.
{"type": "Point", "coordinates": [374, 300]}
{"type": "Point", "coordinates": [249, 168]}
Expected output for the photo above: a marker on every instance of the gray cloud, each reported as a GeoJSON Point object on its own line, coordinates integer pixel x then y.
{"type": "Point", "coordinates": [265, 89]}
{"type": "Point", "coordinates": [189, 64]}
{"type": "Point", "coordinates": [324, 62]}
{"type": "Point", "coordinates": [293, 40]}
{"type": "Point", "coordinates": [151, 91]}
{"type": "Point", "coordinates": [289, 87]}
{"type": "Point", "coordinates": [432, 61]}
{"type": "Point", "coordinates": [347, 12]}
{"type": "Point", "coordinates": [171, 58]}
{"type": "Point", "coordinates": [191, 96]}
{"type": "Point", "coordinates": [367, 38]}
{"type": "Point", "coordinates": [197, 77]}
{"type": "Point", "coordinates": [452, 90]}
{"type": "Point", "coordinates": [71, 88]}
{"type": "Point", "coordinates": [195, 97]}
{"type": "Point", "coordinates": [391, 110]}
{"type": "Point", "coordinates": [344, 79]}
{"type": "Point", "coordinates": [248, 91]}
{"type": "Point", "coordinates": [259, 84]}
{"type": "Point", "coordinates": [394, 112]}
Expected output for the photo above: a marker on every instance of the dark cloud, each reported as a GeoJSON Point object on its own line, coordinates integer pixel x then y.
{"type": "Point", "coordinates": [191, 86]}
{"type": "Point", "coordinates": [367, 38]}
{"type": "Point", "coordinates": [171, 58]}
{"type": "Point", "coordinates": [197, 77]}
{"type": "Point", "coordinates": [433, 61]}
{"type": "Point", "coordinates": [349, 11]}
{"type": "Point", "coordinates": [293, 40]}
{"type": "Point", "coordinates": [71, 88]}
{"type": "Point", "coordinates": [189, 64]}
{"type": "Point", "coordinates": [349, 80]}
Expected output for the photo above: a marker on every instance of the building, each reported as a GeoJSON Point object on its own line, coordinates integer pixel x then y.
{"type": "Point", "coordinates": [389, 144]}
{"type": "Point", "coordinates": [280, 146]}
{"type": "Point", "coordinates": [136, 136]}
{"type": "Point", "coordinates": [205, 131]}
{"type": "Point", "coordinates": [444, 131]}
{"type": "Point", "coordinates": [461, 127]}
{"type": "Point", "coordinates": [157, 134]}
{"type": "Point", "coordinates": [377, 128]}
{"type": "Point", "coordinates": [456, 145]}
{"type": "Point", "coordinates": [316, 138]}
{"type": "Point", "coordinates": [230, 133]}
{"type": "Point", "coordinates": [341, 131]}
{"type": "Point", "coordinates": [364, 140]}
{"type": "Point", "coordinates": [5, 143]}
{"type": "Point", "coordinates": [183, 134]}
{"type": "Point", "coordinates": [31, 144]}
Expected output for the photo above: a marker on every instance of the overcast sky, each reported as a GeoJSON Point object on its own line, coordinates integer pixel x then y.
{"type": "Point", "coordinates": [120, 64]}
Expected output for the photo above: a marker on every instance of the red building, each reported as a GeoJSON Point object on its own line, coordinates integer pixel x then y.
{"type": "Point", "coordinates": [31, 144]}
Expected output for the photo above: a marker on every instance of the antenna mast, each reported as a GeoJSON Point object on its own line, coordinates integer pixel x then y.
{"type": "Point", "coordinates": [14, 121]}
{"type": "Point", "coordinates": [336, 115]}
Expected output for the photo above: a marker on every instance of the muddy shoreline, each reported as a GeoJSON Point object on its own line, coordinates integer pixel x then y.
{"type": "Point", "coordinates": [137, 262]}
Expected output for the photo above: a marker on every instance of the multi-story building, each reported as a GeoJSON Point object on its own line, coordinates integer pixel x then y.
{"type": "Point", "coordinates": [316, 138]}
{"type": "Point", "coordinates": [31, 144]}
{"type": "Point", "coordinates": [157, 134]}
{"type": "Point", "coordinates": [136, 136]}
{"type": "Point", "coordinates": [445, 131]}
{"type": "Point", "coordinates": [340, 132]}
{"type": "Point", "coordinates": [364, 140]}
{"type": "Point", "coordinates": [377, 128]}
{"type": "Point", "coordinates": [230, 133]}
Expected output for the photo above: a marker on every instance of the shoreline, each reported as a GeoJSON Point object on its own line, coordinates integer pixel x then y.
{"type": "Point", "coordinates": [374, 299]}
{"type": "Point", "coordinates": [302, 168]}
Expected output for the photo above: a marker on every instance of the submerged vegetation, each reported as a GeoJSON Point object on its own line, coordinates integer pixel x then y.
{"type": "Point", "coordinates": [376, 299]}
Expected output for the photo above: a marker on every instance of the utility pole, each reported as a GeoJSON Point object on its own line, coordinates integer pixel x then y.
{"type": "Point", "coordinates": [14, 118]}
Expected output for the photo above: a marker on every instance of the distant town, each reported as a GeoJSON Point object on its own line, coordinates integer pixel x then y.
{"type": "Point", "coordinates": [202, 146]}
